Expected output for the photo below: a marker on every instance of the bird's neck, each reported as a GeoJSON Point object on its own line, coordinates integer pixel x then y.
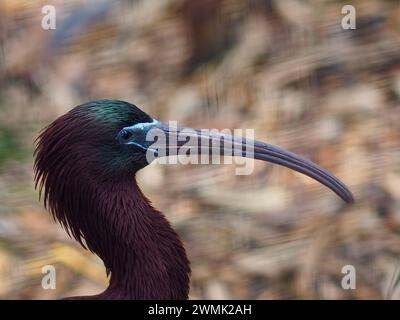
{"type": "Point", "coordinates": [139, 248]}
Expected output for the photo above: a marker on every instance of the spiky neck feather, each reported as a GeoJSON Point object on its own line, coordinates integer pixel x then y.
{"type": "Point", "coordinates": [137, 244]}
{"type": "Point", "coordinates": [104, 209]}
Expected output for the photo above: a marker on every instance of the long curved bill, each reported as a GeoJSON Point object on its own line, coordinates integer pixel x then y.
{"type": "Point", "coordinates": [158, 140]}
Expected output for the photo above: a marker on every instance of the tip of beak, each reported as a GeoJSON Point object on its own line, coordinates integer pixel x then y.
{"type": "Point", "coordinates": [349, 198]}
{"type": "Point", "coordinates": [346, 195]}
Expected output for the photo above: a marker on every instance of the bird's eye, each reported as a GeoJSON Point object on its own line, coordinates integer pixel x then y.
{"type": "Point", "coordinates": [125, 135]}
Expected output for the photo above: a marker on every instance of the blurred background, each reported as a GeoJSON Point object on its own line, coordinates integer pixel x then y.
{"type": "Point", "coordinates": [284, 68]}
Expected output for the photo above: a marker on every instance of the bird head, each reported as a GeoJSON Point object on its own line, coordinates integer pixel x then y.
{"type": "Point", "coordinates": [108, 139]}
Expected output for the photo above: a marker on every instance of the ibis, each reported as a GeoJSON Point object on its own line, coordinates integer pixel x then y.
{"type": "Point", "coordinates": [85, 167]}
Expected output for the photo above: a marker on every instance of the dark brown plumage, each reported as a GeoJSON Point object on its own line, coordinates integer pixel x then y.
{"type": "Point", "coordinates": [85, 168]}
